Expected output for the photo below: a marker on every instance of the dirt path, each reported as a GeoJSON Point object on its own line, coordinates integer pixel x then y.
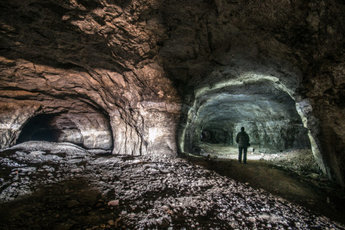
{"type": "Point", "coordinates": [320, 196]}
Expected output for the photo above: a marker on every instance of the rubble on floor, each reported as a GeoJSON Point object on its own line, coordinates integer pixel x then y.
{"type": "Point", "coordinates": [136, 193]}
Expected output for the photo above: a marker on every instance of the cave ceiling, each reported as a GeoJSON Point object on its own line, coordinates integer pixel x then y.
{"type": "Point", "coordinates": [255, 102]}
{"type": "Point", "coordinates": [237, 108]}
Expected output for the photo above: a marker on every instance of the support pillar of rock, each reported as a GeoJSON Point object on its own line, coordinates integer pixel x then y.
{"type": "Point", "coordinates": [305, 110]}
{"type": "Point", "coordinates": [126, 139]}
{"type": "Point", "coordinates": [13, 117]}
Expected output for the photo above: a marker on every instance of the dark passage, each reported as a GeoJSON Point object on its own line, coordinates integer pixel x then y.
{"type": "Point", "coordinates": [40, 128]}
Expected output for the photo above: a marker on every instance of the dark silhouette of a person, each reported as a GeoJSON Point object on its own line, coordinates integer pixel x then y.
{"type": "Point", "coordinates": [242, 140]}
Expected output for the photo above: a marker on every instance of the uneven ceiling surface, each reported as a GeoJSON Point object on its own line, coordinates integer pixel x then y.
{"type": "Point", "coordinates": [254, 102]}
{"type": "Point", "coordinates": [137, 67]}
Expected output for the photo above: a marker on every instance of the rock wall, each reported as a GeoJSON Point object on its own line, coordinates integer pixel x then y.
{"type": "Point", "coordinates": [90, 130]}
{"type": "Point", "coordinates": [93, 62]}
{"type": "Point", "coordinates": [276, 136]}
{"type": "Point", "coordinates": [13, 115]}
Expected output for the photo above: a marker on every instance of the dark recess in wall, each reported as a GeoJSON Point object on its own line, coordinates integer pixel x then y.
{"type": "Point", "coordinates": [40, 128]}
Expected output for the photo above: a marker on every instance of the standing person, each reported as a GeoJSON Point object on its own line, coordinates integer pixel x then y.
{"type": "Point", "coordinates": [242, 140]}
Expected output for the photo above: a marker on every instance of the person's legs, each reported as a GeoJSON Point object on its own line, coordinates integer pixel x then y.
{"type": "Point", "coordinates": [245, 155]}
{"type": "Point", "coordinates": [240, 154]}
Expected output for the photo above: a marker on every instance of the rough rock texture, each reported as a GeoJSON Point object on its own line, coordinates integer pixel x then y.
{"type": "Point", "coordinates": [141, 194]}
{"type": "Point", "coordinates": [128, 59]}
{"type": "Point", "coordinates": [21, 122]}
{"type": "Point", "coordinates": [13, 116]}
{"type": "Point", "coordinates": [83, 59]}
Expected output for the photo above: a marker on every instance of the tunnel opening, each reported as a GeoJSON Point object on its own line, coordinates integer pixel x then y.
{"type": "Point", "coordinates": [88, 130]}
{"type": "Point", "coordinates": [283, 157]}
{"type": "Point", "coordinates": [51, 128]}
{"type": "Point", "coordinates": [268, 114]}
{"type": "Point", "coordinates": [40, 128]}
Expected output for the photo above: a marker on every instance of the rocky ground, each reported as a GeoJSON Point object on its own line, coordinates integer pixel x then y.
{"type": "Point", "coordinates": [62, 186]}
{"type": "Point", "coordinates": [300, 161]}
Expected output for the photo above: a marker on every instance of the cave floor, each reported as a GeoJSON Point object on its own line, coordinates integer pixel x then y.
{"type": "Point", "coordinates": [315, 193]}
{"type": "Point", "coordinates": [292, 174]}
{"type": "Point", "coordinates": [65, 187]}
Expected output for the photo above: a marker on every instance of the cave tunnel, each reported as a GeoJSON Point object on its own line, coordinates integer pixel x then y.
{"type": "Point", "coordinates": [51, 128]}
{"type": "Point", "coordinates": [40, 128]}
{"type": "Point", "coordinates": [267, 113]}
{"type": "Point", "coordinates": [88, 130]}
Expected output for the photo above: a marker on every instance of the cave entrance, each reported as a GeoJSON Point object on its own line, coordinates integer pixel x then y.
{"type": "Point", "coordinates": [40, 128]}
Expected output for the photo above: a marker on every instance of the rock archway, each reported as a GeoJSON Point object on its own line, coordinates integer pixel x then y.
{"type": "Point", "coordinates": [269, 116]}
{"type": "Point", "coordinates": [265, 102]}
{"type": "Point", "coordinates": [87, 127]}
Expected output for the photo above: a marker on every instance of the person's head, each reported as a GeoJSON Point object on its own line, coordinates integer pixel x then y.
{"type": "Point", "coordinates": [242, 129]}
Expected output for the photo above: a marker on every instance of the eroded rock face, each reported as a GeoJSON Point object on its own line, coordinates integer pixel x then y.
{"type": "Point", "coordinates": [13, 115]}
{"type": "Point", "coordinates": [128, 59]}
{"type": "Point", "coordinates": [92, 63]}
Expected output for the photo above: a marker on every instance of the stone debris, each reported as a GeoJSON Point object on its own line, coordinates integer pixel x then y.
{"type": "Point", "coordinates": [146, 194]}
{"type": "Point", "coordinates": [113, 203]}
